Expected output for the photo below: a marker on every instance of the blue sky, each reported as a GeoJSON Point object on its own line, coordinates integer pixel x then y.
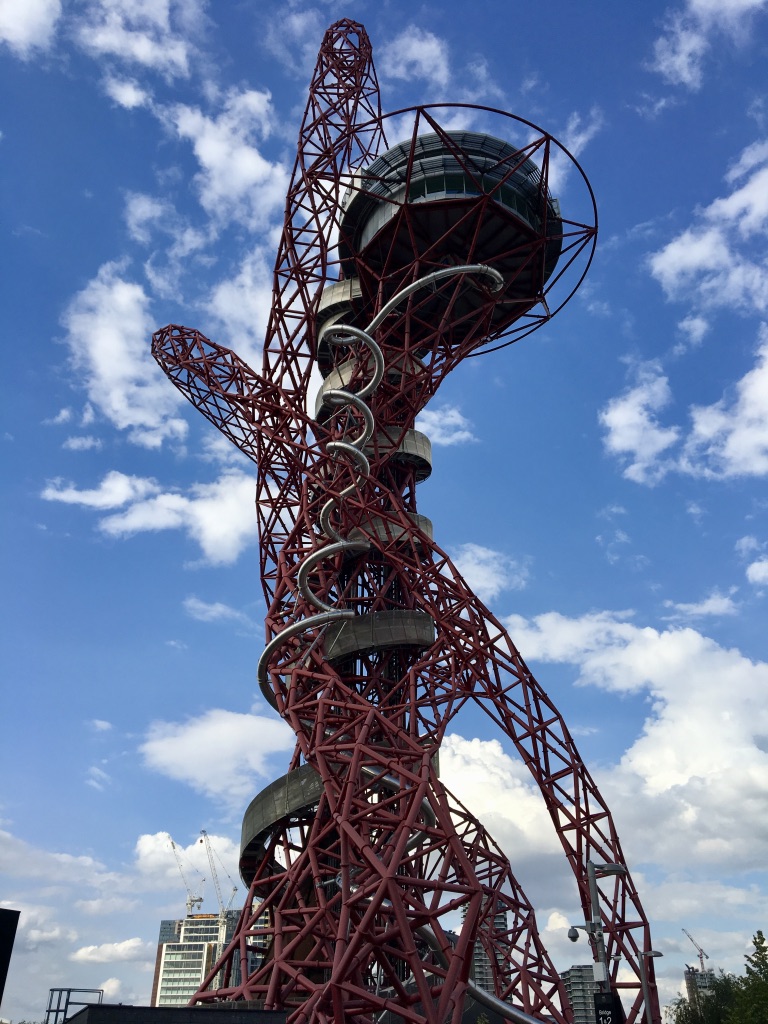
{"type": "Point", "coordinates": [601, 484]}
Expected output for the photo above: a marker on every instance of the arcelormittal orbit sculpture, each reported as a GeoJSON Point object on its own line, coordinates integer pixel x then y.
{"type": "Point", "coordinates": [394, 265]}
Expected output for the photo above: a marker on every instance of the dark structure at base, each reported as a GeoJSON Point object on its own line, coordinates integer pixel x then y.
{"type": "Point", "coordinates": [233, 1013]}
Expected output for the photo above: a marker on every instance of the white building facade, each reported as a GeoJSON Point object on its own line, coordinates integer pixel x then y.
{"type": "Point", "coordinates": [187, 950]}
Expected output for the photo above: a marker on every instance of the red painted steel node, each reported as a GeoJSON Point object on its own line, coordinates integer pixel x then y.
{"type": "Point", "coordinates": [375, 897]}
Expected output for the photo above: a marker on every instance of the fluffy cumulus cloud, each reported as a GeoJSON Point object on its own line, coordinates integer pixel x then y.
{"type": "Point", "coordinates": [126, 92]}
{"type": "Point", "coordinates": [500, 791]}
{"type": "Point", "coordinates": [235, 182]}
{"type": "Point", "coordinates": [754, 554]}
{"type": "Point", "coordinates": [489, 572]}
{"type": "Point", "coordinates": [697, 772]}
{"type": "Point", "coordinates": [69, 906]}
{"type": "Point", "coordinates": [679, 54]}
{"type": "Point", "coordinates": [720, 260]}
{"type": "Point", "coordinates": [728, 438]}
{"type": "Point", "coordinates": [115, 489]}
{"type": "Point", "coordinates": [632, 430]}
{"type": "Point", "coordinates": [115, 952]}
{"type": "Point", "coordinates": [222, 754]}
{"type": "Point", "coordinates": [153, 34]}
{"type": "Point", "coordinates": [241, 304]}
{"type": "Point", "coordinates": [714, 604]}
{"type": "Point", "coordinates": [445, 425]}
{"type": "Point", "coordinates": [218, 516]}
{"type": "Point", "coordinates": [416, 53]}
{"type": "Point", "coordinates": [28, 27]}
{"type": "Point", "coordinates": [108, 328]}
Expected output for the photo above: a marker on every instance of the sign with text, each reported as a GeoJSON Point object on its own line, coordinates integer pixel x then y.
{"type": "Point", "coordinates": [608, 1008]}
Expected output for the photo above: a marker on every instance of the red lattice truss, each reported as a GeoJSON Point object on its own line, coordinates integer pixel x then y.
{"type": "Point", "coordinates": [357, 891]}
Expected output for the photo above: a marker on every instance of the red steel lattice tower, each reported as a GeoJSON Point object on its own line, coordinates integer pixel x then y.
{"type": "Point", "coordinates": [394, 265]}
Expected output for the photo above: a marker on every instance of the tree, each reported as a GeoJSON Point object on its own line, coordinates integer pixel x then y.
{"type": "Point", "coordinates": [731, 1000]}
{"type": "Point", "coordinates": [751, 1002]}
{"type": "Point", "coordinates": [714, 1008]}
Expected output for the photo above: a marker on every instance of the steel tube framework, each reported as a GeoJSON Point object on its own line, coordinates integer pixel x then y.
{"type": "Point", "coordinates": [393, 266]}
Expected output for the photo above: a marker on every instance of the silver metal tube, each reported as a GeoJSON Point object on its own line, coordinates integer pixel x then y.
{"type": "Point", "coordinates": [318, 556]}
{"type": "Point", "coordinates": [423, 282]}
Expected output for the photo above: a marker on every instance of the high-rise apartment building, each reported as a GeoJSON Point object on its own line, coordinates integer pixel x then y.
{"type": "Point", "coordinates": [187, 949]}
{"type": "Point", "coordinates": [698, 984]}
{"type": "Point", "coordinates": [580, 988]}
{"type": "Point", "coordinates": [482, 970]}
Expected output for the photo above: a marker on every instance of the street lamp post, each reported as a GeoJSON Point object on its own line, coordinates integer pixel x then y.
{"type": "Point", "coordinates": [644, 981]}
{"type": "Point", "coordinates": [594, 929]}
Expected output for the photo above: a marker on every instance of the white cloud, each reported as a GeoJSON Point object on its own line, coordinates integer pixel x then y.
{"type": "Point", "coordinates": [108, 334]}
{"type": "Point", "coordinates": [757, 572]}
{"type": "Point", "coordinates": [714, 604]}
{"type": "Point", "coordinates": [82, 443]}
{"type": "Point", "coordinates": [112, 988]}
{"type": "Point", "coordinates": [416, 53]}
{"type": "Point", "coordinates": [99, 725]}
{"type": "Point", "coordinates": [142, 212]}
{"type": "Point", "coordinates": [633, 432]}
{"type": "Point", "coordinates": [730, 437]}
{"type": "Point", "coordinates": [97, 779]}
{"type": "Point", "coordinates": [151, 33]}
{"type": "Point", "coordinates": [695, 781]}
{"type": "Point", "coordinates": [501, 792]}
{"type": "Point", "coordinates": [726, 439]}
{"type": "Point", "coordinates": [679, 54]}
{"type": "Point", "coordinates": [126, 92]}
{"type": "Point", "coordinates": [218, 516]}
{"type": "Point", "coordinates": [222, 754]}
{"type": "Point", "coordinates": [579, 130]}
{"type": "Point", "coordinates": [241, 304]}
{"type": "Point", "coordinates": [115, 952]}
{"type": "Point", "coordinates": [235, 181]}
{"type": "Point", "coordinates": [694, 328]}
{"type": "Point", "coordinates": [575, 137]}
{"type": "Point", "coordinates": [215, 611]}
{"type": "Point", "coordinates": [115, 489]}
{"type": "Point", "coordinates": [28, 26]}
{"type": "Point", "coordinates": [446, 425]}
{"type": "Point", "coordinates": [294, 39]}
{"type": "Point", "coordinates": [489, 572]}
{"type": "Point", "coordinates": [62, 416]}
{"type": "Point", "coordinates": [720, 261]}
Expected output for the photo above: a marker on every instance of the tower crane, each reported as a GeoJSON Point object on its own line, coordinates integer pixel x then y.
{"type": "Point", "coordinates": [192, 900]}
{"type": "Point", "coordinates": [702, 955]}
{"type": "Point", "coordinates": [214, 875]}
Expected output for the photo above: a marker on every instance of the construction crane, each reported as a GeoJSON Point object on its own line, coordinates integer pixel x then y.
{"type": "Point", "coordinates": [214, 875]}
{"type": "Point", "coordinates": [702, 955]}
{"type": "Point", "coordinates": [192, 900]}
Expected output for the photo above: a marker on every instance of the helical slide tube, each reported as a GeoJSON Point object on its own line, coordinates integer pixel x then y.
{"type": "Point", "coordinates": [341, 334]}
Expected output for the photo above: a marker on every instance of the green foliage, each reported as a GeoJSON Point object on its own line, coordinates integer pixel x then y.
{"type": "Point", "coordinates": [711, 1009]}
{"type": "Point", "coordinates": [751, 1003]}
{"type": "Point", "coordinates": [732, 1000]}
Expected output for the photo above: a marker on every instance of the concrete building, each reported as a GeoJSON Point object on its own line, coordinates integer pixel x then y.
{"type": "Point", "coordinates": [482, 970]}
{"type": "Point", "coordinates": [580, 988]}
{"type": "Point", "coordinates": [698, 984]}
{"type": "Point", "coordinates": [187, 949]}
